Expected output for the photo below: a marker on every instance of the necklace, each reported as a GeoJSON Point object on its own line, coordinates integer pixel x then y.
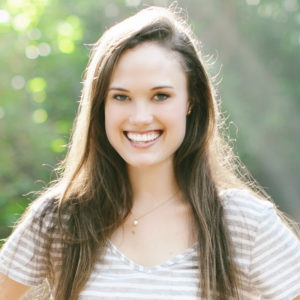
{"type": "Point", "coordinates": [136, 219]}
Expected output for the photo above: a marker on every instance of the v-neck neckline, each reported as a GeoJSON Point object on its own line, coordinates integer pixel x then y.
{"type": "Point", "coordinates": [173, 260]}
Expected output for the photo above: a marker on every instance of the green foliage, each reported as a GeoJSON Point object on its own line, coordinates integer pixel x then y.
{"type": "Point", "coordinates": [44, 50]}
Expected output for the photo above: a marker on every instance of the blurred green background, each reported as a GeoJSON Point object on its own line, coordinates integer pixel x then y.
{"type": "Point", "coordinates": [45, 44]}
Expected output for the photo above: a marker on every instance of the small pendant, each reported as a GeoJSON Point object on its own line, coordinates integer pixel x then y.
{"type": "Point", "coordinates": [135, 222]}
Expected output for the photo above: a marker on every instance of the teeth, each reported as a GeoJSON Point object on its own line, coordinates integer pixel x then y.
{"type": "Point", "coordinates": [145, 137]}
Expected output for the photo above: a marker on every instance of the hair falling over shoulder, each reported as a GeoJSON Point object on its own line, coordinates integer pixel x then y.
{"type": "Point", "coordinates": [94, 189]}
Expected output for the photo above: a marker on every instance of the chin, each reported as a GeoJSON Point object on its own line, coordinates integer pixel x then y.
{"type": "Point", "coordinates": [140, 164]}
{"type": "Point", "coordinates": [146, 162]}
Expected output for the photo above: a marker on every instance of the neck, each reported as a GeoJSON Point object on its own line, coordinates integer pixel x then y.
{"type": "Point", "coordinates": [152, 184]}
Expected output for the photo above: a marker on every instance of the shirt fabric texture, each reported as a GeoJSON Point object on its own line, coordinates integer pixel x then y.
{"type": "Point", "coordinates": [266, 252]}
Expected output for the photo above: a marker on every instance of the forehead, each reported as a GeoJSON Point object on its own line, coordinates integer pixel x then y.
{"type": "Point", "coordinates": [151, 61]}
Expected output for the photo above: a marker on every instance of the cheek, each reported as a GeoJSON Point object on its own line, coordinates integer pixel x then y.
{"type": "Point", "coordinates": [176, 126]}
{"type": "Point", "coordinates": [178, 118]}
{"type": "Point", "coordinates": [114, 119]}
{"type": "Point", "coordinates": [110, 122]}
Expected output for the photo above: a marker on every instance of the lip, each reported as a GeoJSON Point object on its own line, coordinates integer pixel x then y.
{"type": "Point", "coordinates": [142, 144]}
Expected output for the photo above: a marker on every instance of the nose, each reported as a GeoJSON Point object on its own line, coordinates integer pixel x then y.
{"type": "Point", "coordinates": [141, 114]}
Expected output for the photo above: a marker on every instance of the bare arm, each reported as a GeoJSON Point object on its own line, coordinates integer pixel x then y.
{"type": "Point", "coordinates": [11, 289]}
{"type": "Point", "coordinates": [297, 298]}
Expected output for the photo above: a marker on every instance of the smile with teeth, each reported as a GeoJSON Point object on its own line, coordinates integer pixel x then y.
{"type": "Point", "coordinates": [143, 137]}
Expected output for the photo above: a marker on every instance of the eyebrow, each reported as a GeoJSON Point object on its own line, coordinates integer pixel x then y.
{"type": "Point", "coordinates": [118, 89]}
{"type": "Point", "coordinates": [152, 89]}
{"type": "Point", "coordinates": [162, 87]}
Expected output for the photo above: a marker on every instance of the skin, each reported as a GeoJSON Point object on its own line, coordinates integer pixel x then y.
{"type": "Point", "coordinates": [11, 289]}
{"type": "Point", "coordinates": [149, 96]}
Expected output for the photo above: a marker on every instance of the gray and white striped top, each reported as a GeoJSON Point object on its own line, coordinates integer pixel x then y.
{"type": "Point", "coordinates": [267, 253]}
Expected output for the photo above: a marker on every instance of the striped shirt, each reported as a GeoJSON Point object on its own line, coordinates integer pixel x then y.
{"type": "Point", "coordinates": [267, 254]}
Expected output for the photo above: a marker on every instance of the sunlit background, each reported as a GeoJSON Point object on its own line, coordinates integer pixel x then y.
{"type": "Point", "coordinates": [44, 49]}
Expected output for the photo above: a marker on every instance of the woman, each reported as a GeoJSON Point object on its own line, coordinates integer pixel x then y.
{"type": "Point", "coordinates": [149, 205]}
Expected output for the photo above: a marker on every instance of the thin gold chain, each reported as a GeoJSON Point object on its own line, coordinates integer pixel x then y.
{"type": "Point", "coordinates": [136, 219]}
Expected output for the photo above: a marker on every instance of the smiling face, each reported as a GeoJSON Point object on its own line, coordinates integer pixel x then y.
{"type": "Point", "coordinates": [146, 105]}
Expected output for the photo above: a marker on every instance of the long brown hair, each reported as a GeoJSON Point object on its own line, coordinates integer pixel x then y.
{"type": "Point", "coordinates": [94, 189]}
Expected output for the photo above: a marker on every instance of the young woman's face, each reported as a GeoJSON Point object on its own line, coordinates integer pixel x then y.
{"type": "Point", "coordinates": [146, 105]}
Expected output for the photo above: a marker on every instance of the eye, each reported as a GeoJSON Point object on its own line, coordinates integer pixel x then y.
{"type": "Point", "coordinates": [120, 97]}
{"type": "Point", "coordinates": [161, 97]}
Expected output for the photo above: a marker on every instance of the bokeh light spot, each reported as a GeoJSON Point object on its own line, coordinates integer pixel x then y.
{"type": "Point", "coordinates": [39, 116]}
{"type": "Point", "coordinates": [18, 82]}
{"type": "Point", "coordinates": [58, 145]}
{"type": "Point", "coordinates": [65, 29]}
{"type": "Point", "coordinates": [37, 84]}
{"type": "Point", "coordinates": [44, 49]}
{"type": "Point", "coordinates": [66, 46]}
{"type": "Point", "coordinates": [21, 22]}
{"type": "Point", "coordinates": [69, 30]}
{"type": "Point", "coordinates": [39, 97]}
{"type": "Point", "coordinates": [32, 52]}
{"type": "Point", "coordinates": [74, 21]}
{"type": "Point", "coordinates": [4, 16]}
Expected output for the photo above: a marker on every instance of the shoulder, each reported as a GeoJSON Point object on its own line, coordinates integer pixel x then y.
{"type": "Point", "coordinates": [263, 245]}
{"type": "Point", "coordinates": [43, 217]}
{"type": "Point", "coordinates": [244, 214]}
{"type": "Point", "coordinates": [41, 213]}
{"type": "Point", "coordinates": [243, 199]}
{"type": "Point", "coordinates": [46, 210]}
{"type": "Point", "coordinates": [25, 255]}
{"type": "Point", "coordinates": [250, 217]}
{"type": "Point", "coordinates": [243, 207]}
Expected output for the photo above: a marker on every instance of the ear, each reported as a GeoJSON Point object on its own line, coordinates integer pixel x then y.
{"type": "Point", "coordinates": [188, 108]}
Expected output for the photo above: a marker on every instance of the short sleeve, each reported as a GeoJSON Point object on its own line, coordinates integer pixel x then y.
{"type": "Point", "coordinates": [24, 256]}
{"type": "Point", "coordinates": [275, 259]}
